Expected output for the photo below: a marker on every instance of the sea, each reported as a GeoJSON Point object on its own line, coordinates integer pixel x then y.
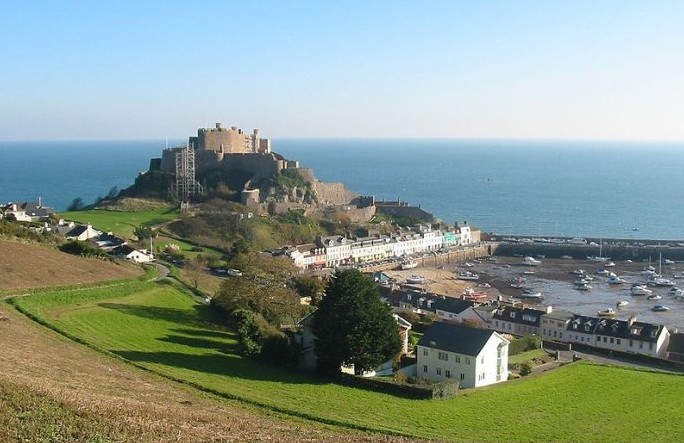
{"type": "Point", "coordinates": [598, 189]}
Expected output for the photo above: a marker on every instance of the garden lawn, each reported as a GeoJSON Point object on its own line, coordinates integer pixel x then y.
{"type": "Point", "coordinates": [159, 328]}
{"type": "Point", "coordinates": [120, 222]}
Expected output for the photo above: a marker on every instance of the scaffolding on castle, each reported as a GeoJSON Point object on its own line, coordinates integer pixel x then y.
{"type": "Point", "coordinates": [185, 186]}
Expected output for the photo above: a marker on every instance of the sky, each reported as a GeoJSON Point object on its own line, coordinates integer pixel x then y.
{"type": "Point", "coordinates": [97, 70]}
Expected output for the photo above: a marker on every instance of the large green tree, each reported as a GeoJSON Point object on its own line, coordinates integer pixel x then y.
{"type": "Point", "coordinates": [353, 326]}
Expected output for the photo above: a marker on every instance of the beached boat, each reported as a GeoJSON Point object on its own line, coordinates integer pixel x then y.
{"type": "Point", "coordinates": [608, 312]}
{"type": "Point", "coordinates": [411, 264]}
{"type": "Point", "coordinates": [471, 294]}
{"type": "Point", "coordinates": [579, 272]}
{"type": "Point", "coordinates": [603, 272]}
{"type": "Point", "coordinates": [660, 308]}
{"type": "Point", "coordinates": [528, 272]}
{"type": "Point", "coordinates": [638, 289]}
{"type": "Point", "coordinates": [566, 257]}
{"type": "Point", "coordinates": [531, 261]}
{"type": "Point", "coordinates": [416, 279]}
{"type": "Point", "coordinates": [675, 291]}
{"type": "Point", "coordinates": [598, 258]}
{"type": "Point", "coordinates": [659, 281]}
{"type": "Point", "coordinates": [622, 303]}
{"type": "Point", "coordinates": [531, 293]}
{"type": "Point", "coordinates": [654, 297]}
{"type": "Point", "coordinates": [583, 286]}
{"type": "Point", "coordinates": [467, 275]}
{"type": "Point", "coordinates": [609, 264]}
{"type": "Point", "coordinates": [615, 280]}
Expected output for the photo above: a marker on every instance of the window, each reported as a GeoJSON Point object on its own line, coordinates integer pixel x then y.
{"type": "Point", "coordinates": [439, 371]}
{"type": "Point", "coordinates": [482, 360]}
{"type": "Point", "coordinates": [457, 359]}
{"type": "Point", "coordinates": [611, 340]}
{"type": "Point", "coordinates": [447, 373]}
{"type": "Point", "coordinates": [425, 352]}
{"type": "Point", "coordinates": [443, 356]}
{"type": "Point", "coordinates": [555, 333]}
{"type": "Point", "coordinates": [631, 343]}
{"type": "Point", "coordinates": [650, 346]}
{"type": "Point", "coordinates": [618, 341]}
{"type": "Point", "coordinates": [598, 338]}
{"type": "Point", "coordinates": [605, 339]}
{"type": "Point", "coordinates": [424, 368]}
{"type": "Point", "coordinates": [497, 323]}
{"type": "Point", "coordinates": [467, 360]}
{"type": "Point", "coordinates": [641, 345]}
{"type": "Point", "coordinates": [560, 335]}
{"type": "Point", "coordinates": [462, 376]}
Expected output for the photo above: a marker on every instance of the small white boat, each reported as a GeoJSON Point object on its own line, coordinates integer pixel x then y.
{"type": "Point", "coordinates": [667, 261]}
{"type": "Point", "coordinates": [654, 297]}
{"type": "Point", "coordinates": [609, 264]}
{"type": "Point", "coordinates": [615, 280]}
{"type": "Point", "coordinates": [579, 272]}
{"type": "Point", "coordinates": [608, 312]}
{"type": "Point", "coordinates": [566, 257]}
{"type": "Point", "coordinates": [467, 275]}
{"type": "Point", "coordinates": [597, 259]}
{"type": "Point", "coordinates": [659, 281]}
{"type": "Point", "coordinates": [603, 272]}
{"type": "Point", "coordinates": [531, 261]}
{"type": "Point", "coordinates": [411, 264]}
{"type": "Point", "coordinates": [583, 286]}
{"type": "Point", "coordinates": [660, 308]}
{"type": "Point", "coordinates": [622, 303]}
{"type": "Point", "coordinates": [531, 293]}
{"type": "Point", "coordinates": [528, 272]}
{"type": "Point", "coordinates": [675, 291]}
{"type": "Point", "coordinates": [639, 290]}
{"type": "Point", "coordinates": [416, 279]}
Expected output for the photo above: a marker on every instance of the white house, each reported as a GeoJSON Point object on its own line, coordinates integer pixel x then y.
{"type": "Point", "coordinates": [132, 254]}
{"type": "Point", "coordinates": [474, 357]}
{"type": "Point", "coordinates": [82, 233]}
{"type": "Point", "coordinates": [554, 325]}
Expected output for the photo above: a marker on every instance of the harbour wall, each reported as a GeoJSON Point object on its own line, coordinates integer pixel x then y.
{"type": "Point", "coordinates": [636, 251]}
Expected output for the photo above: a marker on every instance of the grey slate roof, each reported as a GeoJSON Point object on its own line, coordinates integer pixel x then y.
{"type": "Point", "coordinates": [610, 327]}
{"type": "Point", "coordinates": [523, 316]}
{"type": "Point", "coordinates": [455, 338]}
{"type": "Point", "coordinates": [676, 345]}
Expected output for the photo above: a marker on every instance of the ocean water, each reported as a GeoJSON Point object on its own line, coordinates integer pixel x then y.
{"type": "Point", "coordinates": [548, 188]}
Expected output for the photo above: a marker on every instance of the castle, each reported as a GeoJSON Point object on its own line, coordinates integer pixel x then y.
{"type": "Point", "coordinates": [232, 151]}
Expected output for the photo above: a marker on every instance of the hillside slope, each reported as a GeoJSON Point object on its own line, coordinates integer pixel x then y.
{"type": "Point", "coordinates": [29, 266]}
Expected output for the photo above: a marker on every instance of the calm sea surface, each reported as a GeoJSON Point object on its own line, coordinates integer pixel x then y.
{"type": "Point", "coordinates": [597, 189]}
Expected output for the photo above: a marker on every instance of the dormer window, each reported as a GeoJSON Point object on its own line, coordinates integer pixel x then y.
{"type": "Point", "coordinates": [654, 333]}
{"type": "Point", "coordinates": [586, 327]}
{"type": "Point", "coordinates": [512, 314]}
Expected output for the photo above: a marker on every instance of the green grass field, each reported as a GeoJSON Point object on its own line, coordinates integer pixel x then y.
{"type": "Point", "coordinates": [161, 329]}
{"type": "Point", "coordinates": [120, 222]}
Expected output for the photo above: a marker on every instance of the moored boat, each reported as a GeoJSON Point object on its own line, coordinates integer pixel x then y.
{"type": "Point", "coordinates": [530, 293]}
{"type": "Point", "coordinates": [638, 289]}
{"type": "Point", "coordinates": [411, 264]}
{"type": "Point", "coordinates": [583, 286]}
{"type": "Point", "coordinates": [615, 280]}
{"type": "Point", "coordinates": [416, 279]}
{"type": "Point", "coordinates": [654, 297]}
{"type": "Point", "coordinates": [622, 303]}
{"type": "Point", "coordinates": [467, 275]}
{"type": "Point", "coordinates": [608, 312]}
{"type": "Point", "coordinates": [660, 308]}
{"type": "Point", "coordinates": [531, 261]}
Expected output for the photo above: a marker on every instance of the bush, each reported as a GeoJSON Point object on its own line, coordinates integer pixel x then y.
{"type": "Point", "coordinates": [525, 369]}
{"type": "Point", "coordinates": [526, 343]}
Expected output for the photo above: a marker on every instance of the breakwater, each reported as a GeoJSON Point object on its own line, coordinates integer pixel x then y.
{"type": "Point", "coordinates": [636, 251]}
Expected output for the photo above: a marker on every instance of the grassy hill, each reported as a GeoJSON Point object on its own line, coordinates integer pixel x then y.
{"type": "Point", "coordinates": [31, 266]}
{"type": "Point", "coordinates": [162, 330]}
{"type": "Point", "coordinates": [53, 389]}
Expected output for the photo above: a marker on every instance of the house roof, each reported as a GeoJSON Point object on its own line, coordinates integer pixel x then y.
{"type": "Point", "coordinates": [676, 344]}
{"type": "Point", "coordinates": [455, 338]}
{"type": "Point", "coordinates": [559, 315]}
{"type": "Point", "coordinates": [523, 316]}
{"type": "Point", "coordinates": [453, 305]}
{"type": "Point", "coordinates": [611, 327]}
{"type": "Point", "coordinates": [76, 231]}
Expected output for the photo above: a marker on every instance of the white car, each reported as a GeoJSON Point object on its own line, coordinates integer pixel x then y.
{"type": "Point", "coordinates": [234, 272]}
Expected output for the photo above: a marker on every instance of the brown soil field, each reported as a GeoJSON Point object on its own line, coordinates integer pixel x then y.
{"type": "Point", "coordinates": [30, 266]}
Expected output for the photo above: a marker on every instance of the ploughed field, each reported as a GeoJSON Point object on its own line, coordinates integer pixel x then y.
{"type": "Point", "coordinates": [157, 327]}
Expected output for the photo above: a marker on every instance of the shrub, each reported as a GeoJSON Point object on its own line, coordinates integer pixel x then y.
{"type": "Point", "coordinates": [525, 369]}
{"type": "Point", "coordinates": [526, 343]}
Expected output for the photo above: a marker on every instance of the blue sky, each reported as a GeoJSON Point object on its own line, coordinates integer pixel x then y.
{"type": "Point", "coordinates": [438, 69]}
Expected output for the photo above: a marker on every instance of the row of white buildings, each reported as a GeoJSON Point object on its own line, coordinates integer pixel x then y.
{"type": "Point", "coordinates": [338, 250]}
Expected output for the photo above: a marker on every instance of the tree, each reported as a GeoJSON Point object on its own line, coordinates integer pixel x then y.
{"type": "Point", "coordinates": [353, 326]}
{"type": "Point", "coordinates": [76, 204]}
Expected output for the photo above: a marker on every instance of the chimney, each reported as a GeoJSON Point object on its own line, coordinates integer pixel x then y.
{"type": "Point", "coordinates": [218, 126]}
{"type": "Point", "coordinates": [632, 319]}
{"type": "Point", "coordinates": [549, 309]}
